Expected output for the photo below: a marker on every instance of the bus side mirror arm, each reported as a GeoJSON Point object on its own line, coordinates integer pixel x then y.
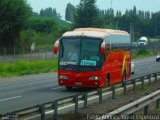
{"type": "Point", "coordinates": [56, 45]}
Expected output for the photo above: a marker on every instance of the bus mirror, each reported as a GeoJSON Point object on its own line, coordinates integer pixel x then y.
{"type": "Point", "coordinates": [103, 48]}
{"type": "Point", "coordinates": [56, 45]}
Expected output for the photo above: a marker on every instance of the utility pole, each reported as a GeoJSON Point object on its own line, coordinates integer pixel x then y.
{"type": "Point", "coordinates": [117, 25]}
{"type": "Point", "coordinates": [111, 4]}
{"type": "Point", "coordinates": [110, 12]}
{"type": "Point", "coordinates": [132, 32]}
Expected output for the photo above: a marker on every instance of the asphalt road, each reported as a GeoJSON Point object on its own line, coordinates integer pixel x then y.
{"type": "Point", "coordinates": [21, 92]}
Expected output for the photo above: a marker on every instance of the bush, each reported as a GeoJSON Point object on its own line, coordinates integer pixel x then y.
{"type": "Point", "coordinates": [142, 51]}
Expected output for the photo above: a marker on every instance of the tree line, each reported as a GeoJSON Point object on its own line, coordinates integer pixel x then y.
{"type": "Point", "coordinates": [139, 22]}
{"type": "Point", "coordinates": [20, 26]}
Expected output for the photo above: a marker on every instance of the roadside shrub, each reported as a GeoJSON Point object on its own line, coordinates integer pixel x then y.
{"type": "Point", "coordinates": [142, 51]}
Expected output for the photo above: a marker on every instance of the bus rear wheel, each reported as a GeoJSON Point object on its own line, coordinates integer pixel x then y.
{"type": "Point", "coordinates": [68, 87]}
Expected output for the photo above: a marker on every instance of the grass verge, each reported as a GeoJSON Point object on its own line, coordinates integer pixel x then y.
{"type": "Point", "coordinates": [27, 67]}
{"type": "Point", "coordinates": [142, 53]}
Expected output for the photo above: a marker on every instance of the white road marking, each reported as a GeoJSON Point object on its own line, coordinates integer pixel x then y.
{"type": "Point", "coordinates": [10, 98]}
{"type": "Point", "coordinates": [57, 88]}
{"type": "Point", "coordinates": [10, 84]}
{"type": "Point", "coordinates": [19, 83]}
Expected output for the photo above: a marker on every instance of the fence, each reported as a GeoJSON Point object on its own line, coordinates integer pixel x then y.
{"type": "Point", "coordinates": [15, 54]}
{"type": "Point", "coordinates": [53, 108]}
{"type": "Point", "coordinates": [154, 46]}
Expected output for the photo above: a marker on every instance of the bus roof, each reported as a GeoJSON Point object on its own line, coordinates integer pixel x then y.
{"type": "Point", "coordinates": [93, 32]}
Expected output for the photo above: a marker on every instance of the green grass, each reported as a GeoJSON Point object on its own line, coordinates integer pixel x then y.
{"type": "Point", "coordinates": [157, 111]}
{"type": "Point", "coordinates": [134, 55]}
{"type": "Point", "coordinates": [27, 67]}
{"type": "Point", "coordinates": [142, 88]}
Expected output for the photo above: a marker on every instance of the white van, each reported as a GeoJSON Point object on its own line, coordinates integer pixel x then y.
{"type": "Point", "coordinates": [143, 41]}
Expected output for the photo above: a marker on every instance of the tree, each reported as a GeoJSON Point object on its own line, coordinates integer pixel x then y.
{"type": "Point", "coordinates": [42, 25]}
{"type": "Point", "coordinates": [26, 38]}
{"type": "Point", "coordinates": [70, 12]}
{"type": "Point", "coordinates": [134, 10]}
{"type": "Point", "coordinates": [49, 12]}
{"type": "Point", "coordinates": [13, 14]}
{"type": "Point", "coordinates": [87, 14]}
{"type": "Point", "coordinates": [156, 24]}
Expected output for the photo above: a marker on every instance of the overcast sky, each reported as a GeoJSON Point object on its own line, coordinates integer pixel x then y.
{"type": "Point", "coordinates": [122, 5]}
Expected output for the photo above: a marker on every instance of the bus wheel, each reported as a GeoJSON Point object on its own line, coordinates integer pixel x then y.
{"type": "Point", "coordinates": [68, 87]}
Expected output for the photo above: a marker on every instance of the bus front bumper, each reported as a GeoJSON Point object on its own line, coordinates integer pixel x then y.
{"type": "Point", "coordinates": [85, 83]}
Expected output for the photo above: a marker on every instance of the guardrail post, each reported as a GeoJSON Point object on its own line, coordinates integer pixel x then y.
{"type": "Point", "coordinates": [113, 92]}
{"type": "Point", "coordinates": [142, 80]}
{"type": "Point", "coordinates": [146, 107]}
{"type": "Point", "coordinates": [85, 95]}
{"type": "Point", "coordinates": [155, 75]}
{"type": "Point", "coordinates": [42, 112]}
{"type": "Point", "coordinates": [157, 103]}
{"type": "Point", "coordinates": [100, 95]}
{"type": "Point", "coordinates": [45, 54]}
{"type": "Point", "coordinates": [75, 100]}
{"type": "Point", "coordinates": [134, 84]}
{"type": "Point", "coordinates": [125, 85]}
{"type": "Point", "coordinates": [149, 79]}
{"type": "Point", "coordinates": [38, 53]}
{"type": "Point", "coordinates": [146, 110]}
{"type": "Point", "coordinates": [5, 51]}
{"type": "Point", "coordinates": [31, 55]}
{"type": "Point", "coordinates": [55, 107]}
{"type": "Point", "coordinates": [14, 52]}
{"type": "Point", "coordinates": [23, 52]}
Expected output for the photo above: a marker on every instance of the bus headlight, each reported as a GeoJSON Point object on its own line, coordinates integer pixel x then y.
{"type": "Point", "coordinates": [63, 77]}
{"type": "Point", "coordinates": [94, 78]}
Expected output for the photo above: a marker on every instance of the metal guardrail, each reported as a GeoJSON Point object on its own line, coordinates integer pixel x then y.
{"type": "Point", "coordinates": [80, 100]}
{"type": "Point", "coordinates": [138, 104]}
{"type": "Point", "coordinates": [20, 54]}
{"type": "Point", "coordinates": [134, 106]}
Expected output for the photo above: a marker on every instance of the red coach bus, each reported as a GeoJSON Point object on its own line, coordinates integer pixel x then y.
{"type": "Point", "coordinates": [92, 57]}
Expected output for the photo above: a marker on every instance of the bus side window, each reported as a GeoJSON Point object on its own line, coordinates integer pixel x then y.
{"type": "Point", "coordinates": [107, 51]}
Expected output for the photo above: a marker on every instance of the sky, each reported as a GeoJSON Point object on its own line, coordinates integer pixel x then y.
{"type": "Point", "coordinates": [122, 5]}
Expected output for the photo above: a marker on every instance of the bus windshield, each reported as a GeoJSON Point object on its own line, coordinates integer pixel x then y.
{"type": "Point", "coordinates": [80, 53]}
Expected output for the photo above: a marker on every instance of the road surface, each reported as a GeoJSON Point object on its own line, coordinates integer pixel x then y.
{"type": "Point", "coordinates": [21, 92]}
